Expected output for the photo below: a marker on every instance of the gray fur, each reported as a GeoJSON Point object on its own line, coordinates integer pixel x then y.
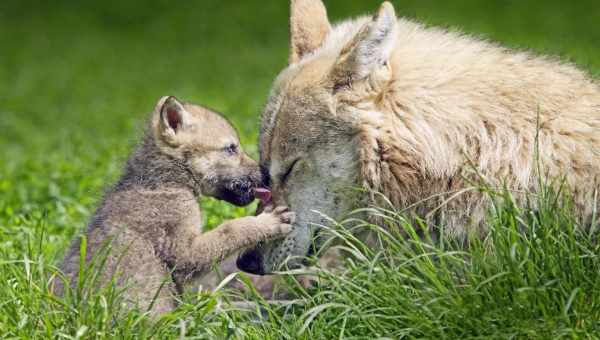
{"type": "Point", "coordinates": [152, 219]}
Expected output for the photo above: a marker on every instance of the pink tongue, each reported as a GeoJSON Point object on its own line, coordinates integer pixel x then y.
{"type": "Point", "coordinates": [263, 194]}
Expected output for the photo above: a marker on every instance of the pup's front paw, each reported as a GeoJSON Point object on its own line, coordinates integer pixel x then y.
{"type": "Point", "coordinates": [276, 223]}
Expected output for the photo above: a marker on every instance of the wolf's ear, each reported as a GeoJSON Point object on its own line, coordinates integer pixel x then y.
{"type": "Point", "coordinates": [309, 27]}
{"type": "Point", "coordinates": [171, 118]}
{"type": "Point", "coordinates": [370, 49]}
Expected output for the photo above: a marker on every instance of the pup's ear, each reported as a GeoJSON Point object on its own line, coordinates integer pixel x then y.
{"type": "Point", "coordinates": [309, 27]}
{"type": "Point", "coordinates": [370, 49]}
{"type": "Point", "coordinates": [172, 118]}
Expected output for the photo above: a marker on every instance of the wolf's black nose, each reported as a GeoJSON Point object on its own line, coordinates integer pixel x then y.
{"type": "Point", "coordinates": [251, 262]}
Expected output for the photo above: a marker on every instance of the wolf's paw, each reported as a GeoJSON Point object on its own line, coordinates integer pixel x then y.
{"type": "Point", "coordinates": [278, 222]}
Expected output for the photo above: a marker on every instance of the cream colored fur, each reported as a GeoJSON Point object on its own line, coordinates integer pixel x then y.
{"type": "Point", "coordinates": [413, 112]}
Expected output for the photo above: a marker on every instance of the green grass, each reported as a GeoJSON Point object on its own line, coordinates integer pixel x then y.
{"type": "Point", "coordinates": [78, 79]}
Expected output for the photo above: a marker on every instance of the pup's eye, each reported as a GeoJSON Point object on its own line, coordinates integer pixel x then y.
{"type": "Point", "coordinates": [231, 149]}
{"type": "Point", "coordinates": [287, 174]}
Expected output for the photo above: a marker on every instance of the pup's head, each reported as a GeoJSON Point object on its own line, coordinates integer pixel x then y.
{"type": "Point", "coordinates": [309, 131]}
{"type": "Point", "coordinates": [204, 145]}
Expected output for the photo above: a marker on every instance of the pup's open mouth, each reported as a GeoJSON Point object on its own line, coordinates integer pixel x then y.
{"type": "Point", "coordinates": [264, 195]}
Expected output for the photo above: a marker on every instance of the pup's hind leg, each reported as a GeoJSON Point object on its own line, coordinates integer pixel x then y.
{"type": "Point", "coordinates": [148, 280]}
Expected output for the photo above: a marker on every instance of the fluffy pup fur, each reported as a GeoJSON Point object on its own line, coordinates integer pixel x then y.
{"type": "Point", "coordinates": [151, 216]}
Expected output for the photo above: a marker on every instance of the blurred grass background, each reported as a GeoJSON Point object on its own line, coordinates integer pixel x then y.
{"type": "Point", "coordinates": [78, 79]}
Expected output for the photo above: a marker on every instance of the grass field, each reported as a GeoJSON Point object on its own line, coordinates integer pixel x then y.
{"type": "Point", "coordinates": [77, 81]}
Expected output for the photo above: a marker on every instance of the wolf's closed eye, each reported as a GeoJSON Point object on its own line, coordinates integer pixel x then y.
{"type": "Point", "coordinates": [287, 174]}
{"type": "Point", "coordinates": [266, 177]}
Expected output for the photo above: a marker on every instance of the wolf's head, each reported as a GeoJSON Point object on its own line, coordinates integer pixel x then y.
{"type": "Point", "coordinates": [199, 147]}
{"type": "Point", "coordinates": [310, 128]}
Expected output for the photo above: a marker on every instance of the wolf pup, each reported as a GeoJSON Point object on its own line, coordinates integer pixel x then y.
{"type": "Point", "coordinates": [151, 217]}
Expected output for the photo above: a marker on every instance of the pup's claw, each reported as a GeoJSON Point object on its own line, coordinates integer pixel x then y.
{"type": "Point", "coordinates": [286, 228]}
{"type": "Point", "coordinates": [280, 220]}
{"type": "Point", "coordinates": [285, 214]}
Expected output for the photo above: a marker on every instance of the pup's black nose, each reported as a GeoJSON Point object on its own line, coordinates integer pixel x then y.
{"type": "Point", "coordinates": [242, 186]}
{"type": "Point", "coordinates": [251, 262]}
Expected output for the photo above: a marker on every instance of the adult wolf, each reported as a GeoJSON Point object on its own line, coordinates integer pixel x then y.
{"type": "Point", "coordinates": [391, 106]}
